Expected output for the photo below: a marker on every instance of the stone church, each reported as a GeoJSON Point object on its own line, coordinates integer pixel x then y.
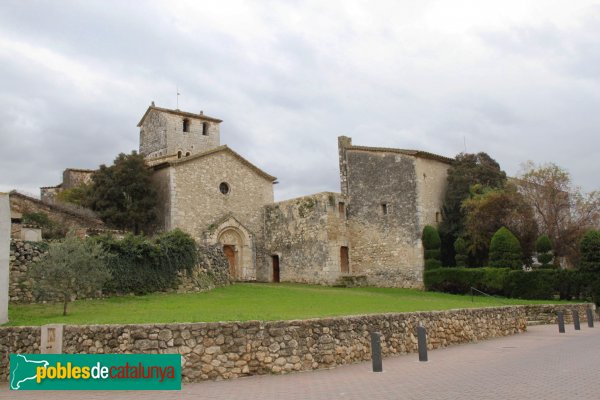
{"type": "Point", "coordinates": [371, 228]}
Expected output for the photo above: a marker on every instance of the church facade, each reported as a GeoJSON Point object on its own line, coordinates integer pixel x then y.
{"type": "Point", "coordinates": [371, 228]}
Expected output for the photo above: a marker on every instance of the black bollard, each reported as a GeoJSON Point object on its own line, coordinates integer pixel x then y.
{"type": "Point", "coordinates": [590, 317]}
{"type": "Point", "coordinates": [576, 320]}
{"type": "Point", "coordinates": [422, 339]}
{"type": "Point", "coordinates": [561, 322]}
{"type": "Point", "coordinates": [376, 351]}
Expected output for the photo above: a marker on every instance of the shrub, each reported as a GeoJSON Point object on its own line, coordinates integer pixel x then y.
{"type": "Point", "coordinates": [590, 251]}
{"type": "Point", "coordinates": [431, 238]}
{"type": "Point", "coordinates": [543, 247]}
{"type": "Point", "coordinates": [538, 284]}
{"type": "Point", "coordinates": [505, 250]}
{"type": "Point", "coordinates": [460, 249]}
{"type": "Point", "coordinates": [431, 243]}
{"type": "Point", "coordinates": [141, 265]}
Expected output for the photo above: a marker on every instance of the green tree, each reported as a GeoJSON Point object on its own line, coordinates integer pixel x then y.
{"type": "Point", "coordinates": [467, 170]}
{"type": "Point", "coordinates": [543, 246]}
{"type": "Point", "coordinates": [561, 209]}
{"type": "Point", "coordinates": [73, 267]}
{"type": "Point", "coordinates": [431, 244]}
{"type": "Point", "coordinates": [122, 194]}
{"type": "Point", "coordinates": [590, 251]}
{"type": "Point", "coordinates": [490, 209]}
{"type": "Point", "coordinates": [505, 250]}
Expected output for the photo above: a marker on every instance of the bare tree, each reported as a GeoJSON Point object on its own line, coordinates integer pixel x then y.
{"type": "Point", "coordinates": [562, 210]}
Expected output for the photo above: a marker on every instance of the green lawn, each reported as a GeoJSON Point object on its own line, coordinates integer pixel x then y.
{"type": "Point", "coordinates": [248, 301]}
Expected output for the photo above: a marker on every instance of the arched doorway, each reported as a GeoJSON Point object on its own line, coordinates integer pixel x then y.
{"type": "Point", "coordinates": [233, 248]}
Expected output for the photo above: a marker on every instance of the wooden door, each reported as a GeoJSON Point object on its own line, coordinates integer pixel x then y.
{"type": "Point", "coordinates": [344, 260]}
{"type": "Point", "coordinates": [275, 268]}
{"type": "Point", "coordinates": [229, 251]}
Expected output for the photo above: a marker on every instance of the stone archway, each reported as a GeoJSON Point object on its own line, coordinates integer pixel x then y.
{"type": "Point", "coordinates": [233, 244]}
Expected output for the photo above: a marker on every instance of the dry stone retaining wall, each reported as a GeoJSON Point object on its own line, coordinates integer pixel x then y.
{"type": "Point", "coordinates": [224, 350]}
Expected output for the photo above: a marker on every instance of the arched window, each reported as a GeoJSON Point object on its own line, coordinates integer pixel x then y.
{"type": "Point", "coordinates": [179, 154]}
{"type": "Point", "coordinates": [187, 153]}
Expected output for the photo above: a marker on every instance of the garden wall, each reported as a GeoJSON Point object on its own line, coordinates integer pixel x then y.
{"type": "Point", "coordinates": [227, 350]}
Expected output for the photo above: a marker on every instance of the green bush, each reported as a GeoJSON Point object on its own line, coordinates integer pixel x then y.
{"type": "Point", "coordinates": [431, 238]}
{"type": "Point", "coordinates": [590, 251]}
{"type": "Point", "coordinates": [538, 284]}
{"type": "Point", "coordinates": [460, 249]}
{"type": "Point", "coordinates": [141, 265]}
{"type": "Point", "coordinates": [543, 247]}
{"type": "Point", "coordinates": [505, 250]}
{"type": "Point", "coordinates": [460, 280]}
{"type": "Point", "coordinates": [432, 264]}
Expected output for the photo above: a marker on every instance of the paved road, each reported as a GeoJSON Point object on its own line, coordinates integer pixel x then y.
{"type": "Point", "coordinates": [539, 364]}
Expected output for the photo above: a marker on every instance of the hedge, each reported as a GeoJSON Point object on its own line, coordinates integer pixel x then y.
{"type": "Point", "coordinates": [543, 284]}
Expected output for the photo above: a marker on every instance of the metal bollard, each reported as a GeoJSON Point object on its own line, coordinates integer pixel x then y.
{"type": "Point", "coordinates": [576, 320]}
{"type": "Point", "coordinates": [561, 322]}
{"type": "Point", "coordinates": [422, 339]}
{"type": "Point", "coordinates": [376, 351]}
{"type": "Point", "coordinates": [590, 317]}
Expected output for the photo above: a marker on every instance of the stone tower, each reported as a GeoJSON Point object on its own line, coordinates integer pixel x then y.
{"type": "Point", "coordinates": [165, 132]}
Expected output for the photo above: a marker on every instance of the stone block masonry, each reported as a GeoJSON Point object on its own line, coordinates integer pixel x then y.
{"type": "Point", "coordinates": [226, 350]}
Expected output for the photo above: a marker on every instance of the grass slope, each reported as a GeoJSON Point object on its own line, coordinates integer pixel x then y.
{"type": "Point", "coordinates": [247, 301]}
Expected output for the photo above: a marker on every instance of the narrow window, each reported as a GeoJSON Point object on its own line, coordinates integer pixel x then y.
{"type": "Point", "coordinates": [179, 154]}
{"type": "Point", "coordinates": [342, 209]}
{"type": "Point", "coordinates": [187, 153]}
{"type": "Point", "coordinates": [205, 128]}
{"type": "Point", "coordinates": [186, 125]}
{"type": "Point", "coordinates": [437, 217]}
{"type": "Point", "coordinates": [384, 208]}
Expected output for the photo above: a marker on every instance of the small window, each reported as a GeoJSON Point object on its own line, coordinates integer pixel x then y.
{"type": "Point", "coordinates": [384, 208]}
{"type": "Point", "coordinates": [187, 153]}
{"type": "Point", "coordinates": [437, 217]}
{"type": "Point", "coordinates": [205, 128]}
{"type": "Point", "coordinates": [342, 209]}
{"type": "Point", "coordinates": [179, 154]}
{"type": "Point", "coordinates": [186, 125]}
{"type": "Point", "coordinates": [224, 187]}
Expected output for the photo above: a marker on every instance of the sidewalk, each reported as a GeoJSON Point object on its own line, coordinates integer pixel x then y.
{"type": "Point", "coordinates": [539, 364]}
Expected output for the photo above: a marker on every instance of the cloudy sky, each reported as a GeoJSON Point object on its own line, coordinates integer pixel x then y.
{"type": "Point", "coordinates": [519, 80]}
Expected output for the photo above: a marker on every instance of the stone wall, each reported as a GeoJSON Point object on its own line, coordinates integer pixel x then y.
{"type": "Point", "coordinates": [22, 254]}
{"type": "Point", "coordinates": [306, 234]}
{"type": "Point", "coordinates": [73, 177]}
{"type": "Point", "coordinates": [547, 313]}
{"type": "Point", "coordinates": [227, 350]}
{"type": "Point", "coordinates": [65, 215]}
{"type": "Point", "coordinates": [211, 271]}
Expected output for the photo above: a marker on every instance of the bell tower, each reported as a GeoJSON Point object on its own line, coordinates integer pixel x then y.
{"type": "Point", "coordinates": [165, 132]}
